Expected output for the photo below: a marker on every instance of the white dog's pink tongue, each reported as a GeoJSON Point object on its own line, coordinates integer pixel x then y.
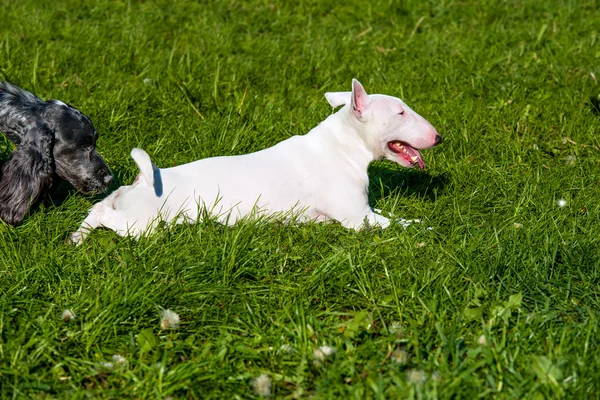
{"type": "Point", "coordinates": [407, 152]}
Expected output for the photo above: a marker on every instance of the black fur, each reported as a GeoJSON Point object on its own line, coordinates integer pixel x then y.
{"type": "Point", "coordinates": [53, 140]}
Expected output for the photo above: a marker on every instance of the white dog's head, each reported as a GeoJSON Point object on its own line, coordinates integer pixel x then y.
{"type": "Point", "coordinates": [388, 126]}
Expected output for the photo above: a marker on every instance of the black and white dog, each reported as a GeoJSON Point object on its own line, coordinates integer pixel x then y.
{"type": "Point", "coordinates": [53, 140]}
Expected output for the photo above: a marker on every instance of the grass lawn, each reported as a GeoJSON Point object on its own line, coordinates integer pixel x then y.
{"type": "Point", "coordinates": [500, 299]}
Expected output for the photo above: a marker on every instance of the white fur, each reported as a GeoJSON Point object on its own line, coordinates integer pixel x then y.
{"type": "Point", "coordinates": [318, 176]}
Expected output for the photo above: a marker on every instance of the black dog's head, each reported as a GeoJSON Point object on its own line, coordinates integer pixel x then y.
{"type": "Point", "coordinates": [75, 155]}
{"type": "Point", "coordinates": [53, 140]}
{"type": "Point", "coordinates": [74, 136]}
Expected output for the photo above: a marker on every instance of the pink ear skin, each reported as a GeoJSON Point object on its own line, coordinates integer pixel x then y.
{"type": "Point", "coordinates": [360, 100]}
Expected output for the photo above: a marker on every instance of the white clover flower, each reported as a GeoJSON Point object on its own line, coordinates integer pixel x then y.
{"type": "Point", "coordinates": [169, 320]}
{"type": "Point", "coordinates": [561, 203]}
{"type": "Point", "coordinates": [262, 385]}
{"type": "Point", "coordinates": [327, 350]}
{"type": "Point", "coordinates": [482, 340]}
{"type": "Point", "coordinates": [396, 327]}
{"type": "Point", "coordinates": [68, 315]}
{"type": "Point", "coordinates": [400, 356]}
{"type": "Point", "coordinates": [517, 225]}
{"type": "Point", "coordinates": [157, 365]}
{"type": "Point", "coordinates": [416, 376]}
{"type": "Point", "coordinates": [285, 348]}
{"type": "Point", "coordinates": [106, 364]}
{"type": "Point", "coordinates": [321, 353]}
{"type": "Point", "coordinates": [119, 360]}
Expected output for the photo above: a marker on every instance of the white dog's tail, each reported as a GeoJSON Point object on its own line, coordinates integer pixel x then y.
{"type": "Point", "coordinates": [142, 159]}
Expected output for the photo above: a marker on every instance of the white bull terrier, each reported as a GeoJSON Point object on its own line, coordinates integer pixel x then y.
{"type": "Point", "coordinates": [319, 176]}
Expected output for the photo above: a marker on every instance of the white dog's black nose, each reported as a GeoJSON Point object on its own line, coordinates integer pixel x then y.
{"type": "Point", "coordinates": [438, 139]}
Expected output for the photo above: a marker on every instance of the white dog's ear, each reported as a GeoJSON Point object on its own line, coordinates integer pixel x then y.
{"type": "Point", "coordinates": [360, 100]}
{"type": "Point", "coordinates": [337, 99]}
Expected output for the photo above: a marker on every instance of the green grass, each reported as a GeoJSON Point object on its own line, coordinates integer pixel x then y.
{"type": "Point", "coordinates": [511, 85]}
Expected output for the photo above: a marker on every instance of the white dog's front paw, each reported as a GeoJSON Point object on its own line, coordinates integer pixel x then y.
{"type": "Point", "coordinates": [373, 220]}
{"type": "Point", "coordinates": [379, 220]}
{"type": "Point", "coordinates": [76, 238]}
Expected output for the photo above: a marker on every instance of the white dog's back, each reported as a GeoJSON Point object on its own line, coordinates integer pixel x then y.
{"type": "Point", "coordinates": [224, 186]}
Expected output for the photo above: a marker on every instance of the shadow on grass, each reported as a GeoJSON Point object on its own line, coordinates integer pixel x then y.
{"type": "Point", "coordinates": [62, 189]}
{"type": "Point", "coordinates": [595, 104]}
{"type": "Point", "coordinates": [385, 181]}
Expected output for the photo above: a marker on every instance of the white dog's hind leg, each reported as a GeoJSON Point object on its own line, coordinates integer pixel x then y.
{"type": "Point", "coordinates": [91, 222]}
{"type": "Point", "coordinates": [102, 215]}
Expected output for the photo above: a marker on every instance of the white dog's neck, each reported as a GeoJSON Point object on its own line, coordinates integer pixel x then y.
{"type": "Point", "coordinates": [346, 136]}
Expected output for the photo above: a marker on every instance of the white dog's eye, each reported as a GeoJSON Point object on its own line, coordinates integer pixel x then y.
{"type": "Point", "coordinates": [401, 112]}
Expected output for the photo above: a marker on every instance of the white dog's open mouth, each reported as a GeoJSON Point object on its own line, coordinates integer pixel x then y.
{"type": "Point", "coordinates": [406, 152]}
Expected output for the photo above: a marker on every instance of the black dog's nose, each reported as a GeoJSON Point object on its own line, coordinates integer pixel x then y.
{"type": "Point", "coordinates": [438, 139]}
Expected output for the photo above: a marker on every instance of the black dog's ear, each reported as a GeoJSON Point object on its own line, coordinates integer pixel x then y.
{"type": "Point", "coordinates": [27, 175]}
